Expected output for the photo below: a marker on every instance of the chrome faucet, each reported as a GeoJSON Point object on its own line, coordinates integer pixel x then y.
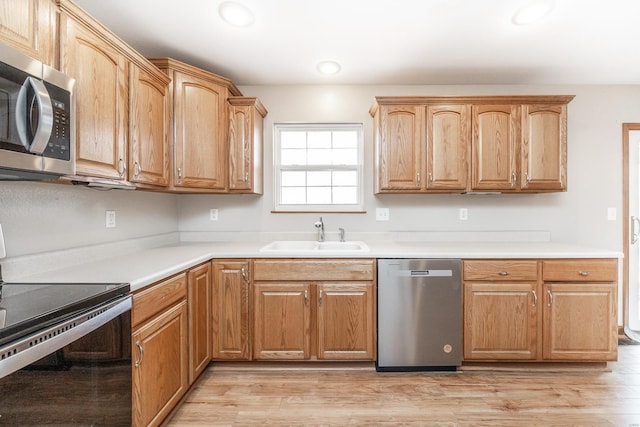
{"type": "Point", "coordinates": [320, 226]}
{"type": "Point", "coordinates": [341, 230]}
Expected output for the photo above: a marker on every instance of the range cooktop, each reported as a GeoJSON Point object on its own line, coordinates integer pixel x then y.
{"type": "Point", "coordinates": [22, 313]}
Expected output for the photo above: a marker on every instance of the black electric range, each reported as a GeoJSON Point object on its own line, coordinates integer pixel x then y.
{"type": "Point", "coordinates": [22, 313]}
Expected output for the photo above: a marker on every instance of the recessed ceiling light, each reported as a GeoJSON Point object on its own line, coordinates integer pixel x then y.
{"type": "Point", "coordinates": [328, 68]}
{"type": "Point", "coordinates": [235, 14]}
{"type": "Point", "coordinates": [533, 12]}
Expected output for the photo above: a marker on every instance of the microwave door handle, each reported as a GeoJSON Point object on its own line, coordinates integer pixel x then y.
{"type": "Point", "coordinates": [45, 115]}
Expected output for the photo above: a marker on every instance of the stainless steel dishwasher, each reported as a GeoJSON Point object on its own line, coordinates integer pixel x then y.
{"type": "Point", "coordinates": [419, 314]}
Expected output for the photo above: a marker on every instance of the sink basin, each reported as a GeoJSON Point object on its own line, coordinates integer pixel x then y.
{"type": "Point", "coordinates": [311, 246]}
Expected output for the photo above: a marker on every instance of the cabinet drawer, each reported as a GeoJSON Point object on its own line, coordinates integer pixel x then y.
{"type": "Point", "coordinates": [157, 298]}
{"type": "Point", "coordinates": [500, 270]}
{"type": "Point", "coordinates": [582, 270]}
{"type": "Point", "coordinates": [314, 269]}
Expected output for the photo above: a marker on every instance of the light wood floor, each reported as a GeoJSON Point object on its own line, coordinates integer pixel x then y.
{"type": "Point", "coordinates": [605, 396]}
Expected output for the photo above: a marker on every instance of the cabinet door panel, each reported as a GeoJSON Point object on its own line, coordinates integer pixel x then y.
{"type": "Point", "coordinates": [29, 25]}
{"type": "Point", "coordinates": [160, 372]}
{"type": "Point", "coordinates": [101, 100]}
{"type": "Point", "coordinates": [401, 147]}
{"type": "Point", "coordinates": [580, 321]}
{"type": "Point", "coordinates": [494, 145]}
{"type": "Point", "coordinates": [544, 147]}
{"type": "Point", "coordinates": [200, 148]}
{"type": "Point", "coordinates": [500, 321]}
{"type": "Point", "coordinates": [281, 321]}
{"type": "Point", "coordinates": [448, 136]}
{"type": "Point", "coordinates": [345, 321]}
{"type": "Point", "coordinates": [199, 281]}
{"type": "Point", "coordinates": [231, 310]}
{"type": "Point", "coordinates": [149, 117]}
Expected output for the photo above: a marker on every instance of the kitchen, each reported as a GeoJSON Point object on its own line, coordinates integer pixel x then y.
{"type": "Point", "coordinates": [41, 218]}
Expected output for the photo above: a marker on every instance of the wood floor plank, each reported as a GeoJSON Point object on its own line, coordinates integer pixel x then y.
{"type": "Point", "coordinates": [587, 397]}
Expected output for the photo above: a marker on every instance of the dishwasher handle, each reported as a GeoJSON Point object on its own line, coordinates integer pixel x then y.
{"type": "Point", "coordinates": [425, 273]}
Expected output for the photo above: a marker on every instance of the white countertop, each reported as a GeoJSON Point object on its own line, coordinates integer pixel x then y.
{"type": "Point", "coordinates": [143, 267]}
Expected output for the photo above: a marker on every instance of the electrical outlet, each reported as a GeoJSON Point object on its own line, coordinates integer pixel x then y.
{"type": "Point", "coordinates": [382, 214]}
{"type": "Point", "coordinates": [213, 214]}
{"type": "Point", "coordinates": [110, 219]}
{"type": "Point", "coordinates": [463, 215]}
{"type": "Point", "coordinates": [611, 214]}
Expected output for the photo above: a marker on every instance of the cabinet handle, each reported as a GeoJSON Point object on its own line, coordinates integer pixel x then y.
{"type": "Point", "coordinates": [141, 352]}
{"type": "Point", "coordinates": [136, 169]}
{"type": "Point", "coordinates": [430, 178]}
{"type": "Point", "coordinates": [245, 276]}
{"type": "Point", "coordinates": [503, 273]}
{"type": "Point", "coordinates": [418, 178]}
{"type": "Point", "coordinates": [583, 273]}
{"type": "Point", "coordinates": [180, 174]}
{"type": "Point", "coordinates": [514, 179]}
{"type": "Point", "coordinates": [527, 179]}
{"type": "Point", "coordinates": [550, 298]}
{"type": "Point", "coordinates": [121, 168]}
{"type": "Point", "coordinates": [320, 300]}
{"type": "Point", "coordinates": [535, 298]}
{"type": "Point", "coordinates": [246, 178]}
{"type": "Point", "coordinates": [635, 226]}
{"type": "Point", "coordinates": [306, 297]}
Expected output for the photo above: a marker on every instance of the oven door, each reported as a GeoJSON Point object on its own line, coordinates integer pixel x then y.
{"type": "Point", "coordinates": [75, 373]}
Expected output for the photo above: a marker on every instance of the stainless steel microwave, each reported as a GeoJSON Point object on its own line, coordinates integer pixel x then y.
{"type": "Point", "coordinates": [36, 119]}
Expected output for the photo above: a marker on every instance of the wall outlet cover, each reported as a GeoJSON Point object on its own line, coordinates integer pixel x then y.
{"type": "Point", "coordinates": [213, 214]}
{"type": "Point", "coordinates": [110, 219]}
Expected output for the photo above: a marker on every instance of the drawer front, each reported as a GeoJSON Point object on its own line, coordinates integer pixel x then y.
{"type": "Point", "coordinates": [158, 297]}
{"type": "Point", "coordinates": [500, 270]}
{"type": "Point", "coordinates": [314, 269]}
{"type": "Point", "coordinates": [581, 270]}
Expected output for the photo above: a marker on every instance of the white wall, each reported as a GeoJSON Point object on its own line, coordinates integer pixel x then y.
{"type": "Point", "coordinates": [40, 217]}
{"type": "Point", "coordinates": [577, 216]}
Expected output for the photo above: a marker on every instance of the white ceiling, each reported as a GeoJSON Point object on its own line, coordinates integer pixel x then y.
{"type": "Point", "coordinates": [389, 41]}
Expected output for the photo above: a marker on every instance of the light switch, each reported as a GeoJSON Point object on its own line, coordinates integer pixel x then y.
{"type": "Point", "coordinates": [382, 214]}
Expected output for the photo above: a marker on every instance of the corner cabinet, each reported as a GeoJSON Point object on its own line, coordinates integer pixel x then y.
{"type": "Point", "coordinates": [540, 310]}
{"type": "Point", "coordinates": [466, 144]}
{"type": "Point", "coordinates": [314, 309]}
{"type": "Point", "coordinates": [29, 26]}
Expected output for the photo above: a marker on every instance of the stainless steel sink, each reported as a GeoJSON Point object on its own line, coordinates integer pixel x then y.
{"type": "Point", "coordinates": [311, 246]}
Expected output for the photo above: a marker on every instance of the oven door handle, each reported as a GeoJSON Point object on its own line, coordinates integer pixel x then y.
{"type": "Point", "coordinates": [18, 354]}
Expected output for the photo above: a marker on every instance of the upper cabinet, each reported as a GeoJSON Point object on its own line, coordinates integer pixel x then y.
{"type": "Point", "coordinates": [30, 26]}
{"type": "Point", "coordinates": [121, 103]}
{"type": "Point", "coordinates": [217, 134]}
{"type": "Point", "coordinates": [466, 144]}
{"type": "Point", "coordinates": [246, 117]}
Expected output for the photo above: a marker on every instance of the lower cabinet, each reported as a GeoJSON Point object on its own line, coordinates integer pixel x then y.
{"type": "Point", "coordinates": [160, 352]}
{"type": "Point", "coordinates": [314, 309]}
{"type": "Point", "coordinates": [552, 310]}
{"type": "Point", "coordinates": [231, 297]}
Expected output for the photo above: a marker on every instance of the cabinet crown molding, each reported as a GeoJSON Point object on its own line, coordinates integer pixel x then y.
{"type": "Point", "coordinates": [175, 65]}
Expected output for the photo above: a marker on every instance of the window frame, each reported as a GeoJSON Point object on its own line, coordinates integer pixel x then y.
{"type": "Point", "coordinates": [357, 207]}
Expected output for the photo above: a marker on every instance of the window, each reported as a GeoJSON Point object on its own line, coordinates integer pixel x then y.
{"type": "Point", "coordinates": [318, 167]}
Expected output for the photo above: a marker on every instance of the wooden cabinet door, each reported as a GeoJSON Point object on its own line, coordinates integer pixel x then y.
{"type": "Point", "coordinates": [345, 321]}
{"type": "Point", "coordinates": [100, 97]}
{"type": "Point", "coordinates": [200, 130]}
{"type": "Point", "coordinates": [160, 365]}
{"type": "Point", "coordinates": [448, 135]}
{"type": "Point", "coordinates": [200, 300]}
{"type": "Point", "coordinates": [29, 26]}
{"type": "Point", "coordinates": [580, 321]}
{"type": "Point", "coordinates": [543, 160]}
{"type": "Point", "coordinates": [401, 147]}
{"type": "Point", "coordinates": [231, 285]}
{"type": "Point", "coordinates": [148, 129]}
{"type": "Point", "coordinates": [245, 145]}
{"type": "Point", "coordinates": [282, 318]}
{"type": "Point", "coordinates": [500, 321]}
{"type": "Point", "coordinates": [495, 141]}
